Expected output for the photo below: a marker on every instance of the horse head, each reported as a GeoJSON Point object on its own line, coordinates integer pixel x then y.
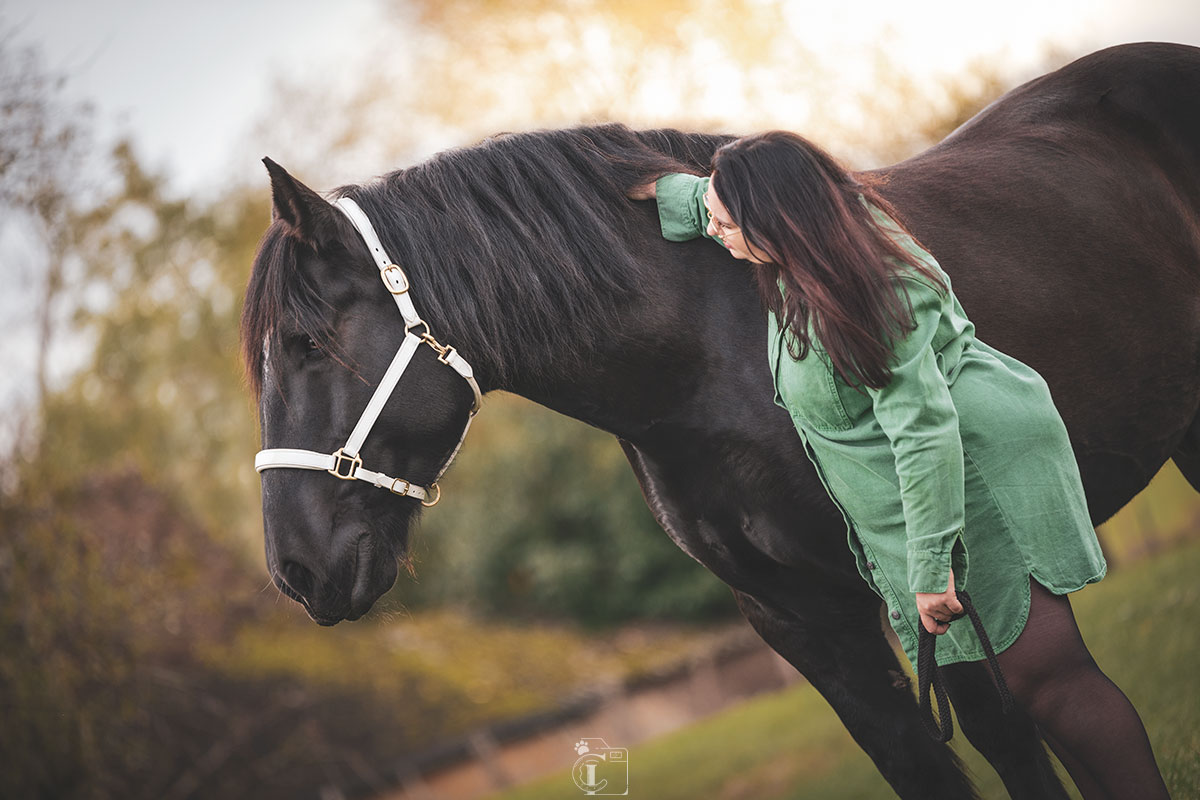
{"type": "Point", "coordinates": [320, 332]}
{"type": "Point", "coordinates": [523, 251]}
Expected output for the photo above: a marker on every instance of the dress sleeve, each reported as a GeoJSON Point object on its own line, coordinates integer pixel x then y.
{"type": "Point", "coordinates": [919, 418]}
{"type": "Point", "coordinates": [681, 211]}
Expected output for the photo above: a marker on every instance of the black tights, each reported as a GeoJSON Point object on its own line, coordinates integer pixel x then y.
{"type": "Point", "coordinates": [1087, 721]}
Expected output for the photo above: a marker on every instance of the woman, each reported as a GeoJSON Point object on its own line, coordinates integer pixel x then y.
{"type": "Point", "coordinates": [939, 450]}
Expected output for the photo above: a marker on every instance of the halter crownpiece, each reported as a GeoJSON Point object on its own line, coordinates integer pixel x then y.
{"type": "Point", "coordinates": [346, 463]}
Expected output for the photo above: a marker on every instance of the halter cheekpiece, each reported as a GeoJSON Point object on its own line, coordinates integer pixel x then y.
{"type": "Point", "coordinates": [346, 463]}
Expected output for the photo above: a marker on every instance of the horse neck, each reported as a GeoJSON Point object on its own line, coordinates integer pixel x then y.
{"type": "Point", "coordinates": [624, 386]}
{"type": "Point", "coordinates": [623, 356]}
{"type": "Point", "coordinates": [664, 357]}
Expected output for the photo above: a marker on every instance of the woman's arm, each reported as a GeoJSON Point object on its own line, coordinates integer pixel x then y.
{"type": "Point", "coordinates": [681, 212]}
{"type": "Point", "coordinates": [917, 414]}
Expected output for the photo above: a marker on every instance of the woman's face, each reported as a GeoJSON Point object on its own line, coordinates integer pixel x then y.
{"type": "Point", "coordinates": [721, 225]}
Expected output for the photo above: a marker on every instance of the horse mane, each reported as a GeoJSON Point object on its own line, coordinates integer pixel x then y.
{"type": "Point", "coordinates": [521, 240]}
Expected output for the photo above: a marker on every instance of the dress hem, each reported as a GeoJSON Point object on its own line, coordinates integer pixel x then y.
{"type": "Point", "coordinates": [999, 646]}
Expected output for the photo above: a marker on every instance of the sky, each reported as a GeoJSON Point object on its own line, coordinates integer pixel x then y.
{"type": "Point", "coordinates": [187, 80]}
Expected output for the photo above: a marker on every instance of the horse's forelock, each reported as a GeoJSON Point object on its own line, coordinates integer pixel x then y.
{"type": "Point", "coordinates": [278, 295]}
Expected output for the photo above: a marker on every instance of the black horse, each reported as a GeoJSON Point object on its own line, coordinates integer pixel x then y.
{"type": "Point", "coordinates": [1067, 213]}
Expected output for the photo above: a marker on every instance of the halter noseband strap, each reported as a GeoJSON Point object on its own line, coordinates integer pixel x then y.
{"type": "Point", "coordinates": [346, 463]}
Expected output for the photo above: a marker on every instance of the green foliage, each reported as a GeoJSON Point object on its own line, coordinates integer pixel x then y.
{"type": "Point", "coordinates": [55, 708]}
{"type": "Point", "coordinates": [98, 582]}
{"type": "Point", "coordinates": [544, 519]}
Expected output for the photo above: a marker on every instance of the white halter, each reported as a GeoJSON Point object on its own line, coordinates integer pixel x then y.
{"type": "Point", "coordinates": [346, 463]}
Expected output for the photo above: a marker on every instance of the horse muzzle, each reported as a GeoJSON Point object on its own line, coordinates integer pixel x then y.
{"type": "Point", "coordinates": [351, 589]}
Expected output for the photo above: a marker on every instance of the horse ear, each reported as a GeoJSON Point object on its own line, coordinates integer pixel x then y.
{"type": "Point", "coordinates": [311, 218]}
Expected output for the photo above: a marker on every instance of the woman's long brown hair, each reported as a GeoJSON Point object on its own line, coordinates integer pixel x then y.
{"type": "Point", "coordinates": [797, 205]}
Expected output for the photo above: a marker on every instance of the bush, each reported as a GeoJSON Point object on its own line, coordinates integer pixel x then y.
{"type": "Point", "coordinates": [544, 519]}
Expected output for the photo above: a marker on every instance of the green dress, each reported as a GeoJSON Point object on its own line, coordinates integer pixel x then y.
{"type": "Point", "coordinates": [962, 456]}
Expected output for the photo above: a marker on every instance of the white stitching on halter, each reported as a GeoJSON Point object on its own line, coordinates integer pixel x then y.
{"type": "Point", "coordinates": [346, 463]}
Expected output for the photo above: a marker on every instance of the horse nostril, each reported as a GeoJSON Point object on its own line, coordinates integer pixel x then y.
{"type": "Point", "coordinates": [298, 578]}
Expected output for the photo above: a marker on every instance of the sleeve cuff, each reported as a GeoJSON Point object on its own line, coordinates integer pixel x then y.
{"type": "Point", "coordinates": [929, 570]}
{"type": "Point", "coordinates": [680, 202]}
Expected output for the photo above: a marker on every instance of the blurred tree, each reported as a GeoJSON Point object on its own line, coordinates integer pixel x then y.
{"type": "Point", "coordinates": [452, 71]}
{"type": "Point", "coordinates": [163, 392]}
{"type": "Point", "coordinates": [44, 142]}
{"type": "Point", "coordinates": [456, 71]}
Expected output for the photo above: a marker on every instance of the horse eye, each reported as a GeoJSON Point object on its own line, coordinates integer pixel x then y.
{"type": "Point", "coordinates": [311, 348]}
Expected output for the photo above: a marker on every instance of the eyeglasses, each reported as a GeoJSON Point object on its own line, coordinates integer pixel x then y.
{"type": "Point", "coordinates": [723, 229]}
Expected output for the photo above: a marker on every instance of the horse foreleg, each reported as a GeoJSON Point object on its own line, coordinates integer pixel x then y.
{"type": "Point", "coordinates": [1010, 742]}
{"type": "Point", "coordinates": [842, 652]}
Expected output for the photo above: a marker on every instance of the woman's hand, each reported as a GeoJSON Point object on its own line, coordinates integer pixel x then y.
{"type": "Point", "coordinates": [937, 610]}
{"type": "Point", "coordinates": [646, 191]}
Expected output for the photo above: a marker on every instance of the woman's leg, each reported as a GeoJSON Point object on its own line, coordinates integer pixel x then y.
{"type": "Point", "coordinates": [1089, 722]}
{"type": "Point", "coordinates": [1085, 781]}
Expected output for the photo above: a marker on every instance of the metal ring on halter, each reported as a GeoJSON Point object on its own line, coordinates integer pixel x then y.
{"type": "Point", "coordinates": [441, 349]}
{"type": "Point", "coordinates": [338, 458]}
{"type": "Point", "coordinates": [437, 496]}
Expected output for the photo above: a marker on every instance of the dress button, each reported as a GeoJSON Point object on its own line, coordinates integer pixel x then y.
{"type": "Point", "coordinates": [895, 615]}
{"type": "Point", "coordinates": [870, 565]}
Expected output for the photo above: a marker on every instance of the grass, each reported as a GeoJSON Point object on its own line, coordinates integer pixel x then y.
{"type": "Point", "coordinates": [1142, 623]}
{"type": "Point", "coordinates": [1166, 511]}
{"type": "Point", "coordinates": [444, 668]}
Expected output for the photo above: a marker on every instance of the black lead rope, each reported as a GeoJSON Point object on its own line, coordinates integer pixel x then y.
{"type": "Point", "coordinates": [928, 674]}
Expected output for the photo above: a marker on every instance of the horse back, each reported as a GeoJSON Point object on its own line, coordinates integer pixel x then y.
{"type": "Point", "coordinates": [1067, 214]}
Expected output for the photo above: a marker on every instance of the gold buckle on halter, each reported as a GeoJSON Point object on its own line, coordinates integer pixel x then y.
{"type": "Point", "coordinates": [338, 459]}
{"type": "Point", "coordinates": [403, 491]}
{"type": "Point", "coordinates": [436, 498]}
{"type": "Point", "coordinates": [394, 279]}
